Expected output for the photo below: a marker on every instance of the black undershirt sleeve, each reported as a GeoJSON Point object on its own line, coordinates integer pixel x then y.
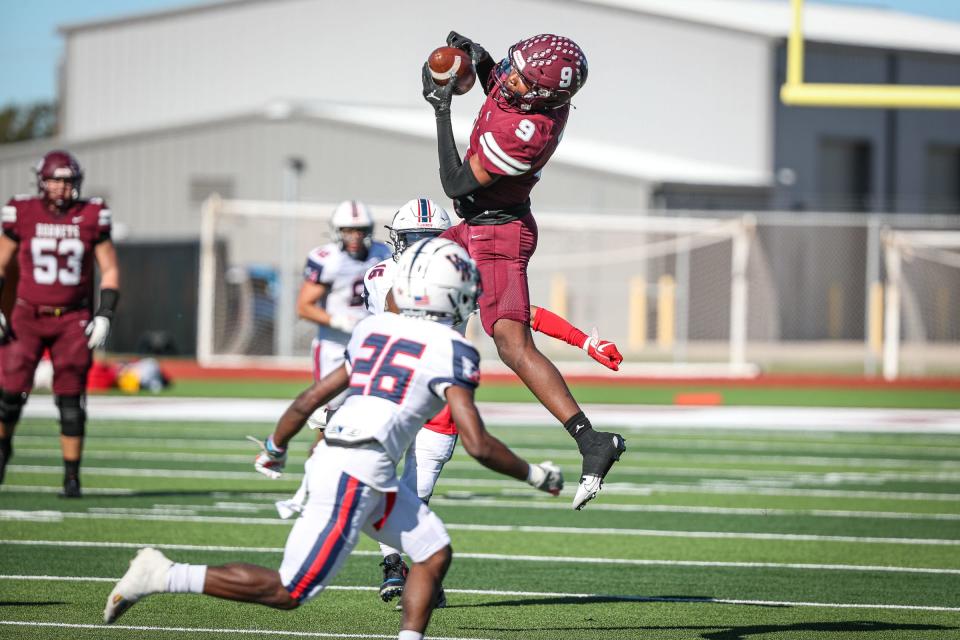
{"type": "Point", "coordinates": [457, 178]}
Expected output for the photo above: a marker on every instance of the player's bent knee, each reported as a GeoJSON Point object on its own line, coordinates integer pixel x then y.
{"type": "Point", "coordinates": [73, 415]}
{"type": "Point", "coordinates": [440, 560]}
{"type": "Point", "coordinates": [11, 406]}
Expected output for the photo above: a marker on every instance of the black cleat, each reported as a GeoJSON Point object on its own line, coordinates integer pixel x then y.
{"type": "Point", "coordinates": [394, 577]}
{"type": "Point", "coordinates": [71, 487]}
{"type": "Point", "coordinates": [600, 450]}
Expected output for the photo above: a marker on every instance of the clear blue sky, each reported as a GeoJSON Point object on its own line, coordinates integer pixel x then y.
{"type": "Point", "coordinates": [30, 46]}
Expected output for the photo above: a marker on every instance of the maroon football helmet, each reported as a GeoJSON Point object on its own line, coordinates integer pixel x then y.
{"type": "Point", "coordinates": [553, 68]}
{"type": "Point", "coordinates": [60, 165]}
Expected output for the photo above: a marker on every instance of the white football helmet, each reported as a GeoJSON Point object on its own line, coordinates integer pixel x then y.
{"type": "Point", "coordinates": [353, 214]}
{"type": "Point", "coordinates": [418, 219]}
{"type": "Point", "coordinates": [437, 279]}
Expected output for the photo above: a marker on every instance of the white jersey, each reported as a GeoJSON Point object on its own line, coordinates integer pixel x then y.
{"type": "Point", "coordinates": [377, 283]}
{"type": "Point", "coordinates": [332, 266]}
{"type": "Point", "coordinates": [400, 368]}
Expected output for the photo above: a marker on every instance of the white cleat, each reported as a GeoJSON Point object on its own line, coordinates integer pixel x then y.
{"type": "Point", "coordinates": [587, 490]}
{"type": "Point", "coordinates": [147, 574]}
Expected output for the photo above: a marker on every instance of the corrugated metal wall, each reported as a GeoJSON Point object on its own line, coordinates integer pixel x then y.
{"type": "Point", "coordinates": [665, 86]}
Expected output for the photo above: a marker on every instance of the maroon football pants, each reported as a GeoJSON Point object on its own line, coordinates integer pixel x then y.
{"type": "Point", "coordinates": [501, 252]}
{"type": "Point", "coordinates": [62, 335]}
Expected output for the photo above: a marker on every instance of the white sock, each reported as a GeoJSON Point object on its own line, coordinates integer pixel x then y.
{"type": "Point", "coordinates": [186, 578]}
{"type": "Point", "coordinates": [387, 550]}
{"type": "Point", "coordinates": [406, 634]}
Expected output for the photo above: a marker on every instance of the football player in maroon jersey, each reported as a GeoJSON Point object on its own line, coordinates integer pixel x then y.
{"type": "Point", "coordinates": [59, 237]}
{"type": "Point", "coordinates": [516, 132]}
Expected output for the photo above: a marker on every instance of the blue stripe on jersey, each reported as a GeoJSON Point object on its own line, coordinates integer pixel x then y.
{"type": "Point", "coordinates": [466, 365]}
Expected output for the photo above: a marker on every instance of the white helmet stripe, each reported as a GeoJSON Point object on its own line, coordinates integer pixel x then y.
{"type": "Point", "coordinates": [500, 158]}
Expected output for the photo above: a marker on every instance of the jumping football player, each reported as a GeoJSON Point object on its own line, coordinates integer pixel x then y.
{"type": "Point", "coordinates": [434, 445]}
{"type": "Point", "coordinates": [59, 237]}
{"type": "Point", "coordinates": [516, 132]}
{"type": "Point", "coordinates": [400, 370]}
{"type": "Point", "coordinates": [332, 291]}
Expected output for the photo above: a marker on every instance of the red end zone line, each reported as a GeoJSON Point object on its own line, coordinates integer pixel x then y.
{"type": "Point", "coordinates": [190, 370]}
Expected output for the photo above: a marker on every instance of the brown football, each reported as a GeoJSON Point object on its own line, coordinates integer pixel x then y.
{"type": "Point", "coordinates": [450, 62]}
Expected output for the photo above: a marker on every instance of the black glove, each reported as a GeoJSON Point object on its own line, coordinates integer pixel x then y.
{"type": "Point", "coordinates": [439, 97]}
{"type": "Point", "coordinates": [482, 62]}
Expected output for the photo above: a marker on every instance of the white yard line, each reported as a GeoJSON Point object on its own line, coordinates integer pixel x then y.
{"type": "Point", "coordinates": [509, 557]}
{"type": "Point", "coordinates": [529, 594]}
{"type": "Point", "coordinates": [571, 456]}
{"type": "Point", "coordinates": [199, 630]}
{"type": "Point", "coordinates": [631, 417]}
{"type": "Point", "coordinates": [137, 514]}
{"type": "Point", "coordinates": [829, 478]}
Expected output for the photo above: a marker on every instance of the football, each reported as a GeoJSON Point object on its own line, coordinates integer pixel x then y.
{"type": "Point", "coordinates": [450, 62]}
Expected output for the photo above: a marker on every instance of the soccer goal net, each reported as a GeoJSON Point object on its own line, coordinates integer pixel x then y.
{"type": "Point", "coordinates": [673, 292]}
{"type": "Point", "coordinates": [922, 310]}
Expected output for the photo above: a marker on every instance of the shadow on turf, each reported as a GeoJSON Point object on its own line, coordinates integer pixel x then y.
{"type": "Point", "coordinates": [742, 633]}
{"type": "Point", "coordinates": [47, 603]}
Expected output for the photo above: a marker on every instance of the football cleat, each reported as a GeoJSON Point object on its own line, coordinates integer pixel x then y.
{"type": "Point", "coordinates": [394, 577]}
{"type": "Point", "coordinates": [599, 453]}
{"type": "Point", "coordinates": [71, 487]}
{"type": "Point", "coordinates": [147, 574]}
{"type": "Point", "coordinates": [441, 600]}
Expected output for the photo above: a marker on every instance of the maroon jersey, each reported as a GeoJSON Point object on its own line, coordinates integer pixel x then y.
{"type": "Point", "coordinates": [514, 145]}
{"type": "Point", "coordinates": [56, 249]}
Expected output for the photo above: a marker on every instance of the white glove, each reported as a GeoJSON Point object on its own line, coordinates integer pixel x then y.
{"type": "Point", "coordinates": [344, 323]}
{"type": "Point", "coordinates": [271, 460]}
{"type": "Point", "coordinates": [5, 333]}
{"type": "Point", "coordinates": [546, 476]}
{"type": "Point", "coordinates": [97, 330]}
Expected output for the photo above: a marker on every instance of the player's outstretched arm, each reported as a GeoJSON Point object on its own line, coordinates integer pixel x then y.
{"type": "Point", "coordinates": [492, 453]}
{"type": "Point", "coordinates": [457, 179]}
{"type": "Point", "coordinates": [309, 400]}
{"type": "Point", "coordinates": [548, 323]}
{"type": "Point", "coordinates": [273, 450]}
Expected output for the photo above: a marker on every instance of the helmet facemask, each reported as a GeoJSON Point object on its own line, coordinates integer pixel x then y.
{"type": "Point", "coordinates": [401, 239]}
{"type": "Point", "coordinates": [366, 241]}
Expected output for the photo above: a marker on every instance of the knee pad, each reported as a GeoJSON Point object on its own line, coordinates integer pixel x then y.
{"type": "Point", "coordinates": [73, 415]}
{"type": "Point", "coordinates": [11, 406]}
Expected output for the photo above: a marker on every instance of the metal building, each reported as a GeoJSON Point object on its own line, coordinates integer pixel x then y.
{"type": "Point", "coordinates": [680, 111]}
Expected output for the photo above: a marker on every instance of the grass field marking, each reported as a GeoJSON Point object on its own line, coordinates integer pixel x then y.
{"type": "Point", "coordinates": [57, 516]}
{"type": "Point", "coordinates": [830, 478]}
{"type": "Point", "coordinates": [499, 503]}
{"type": "Point", "coordinates": [619, 488]}
{"type": "Point", "coordinates": [752, 488]}
{"type": "Point", "coordinates": [507, 557]}
{"type": "Point", "coordinates": [252, 632]}
{"type": "Point", "coordinates": [155, 473]}
{"type": "Point", "coordinates": [716, 441]}
{"type": "Point", "coordinates": [800, 461]}
{"type": "Point", "coordinates": [532, 415]}
{"type": "Point", "coordinates": [558, 455]}
{"type": "Point", "coordinates": [548, 594]}
{"type": "Point", "coordinates": [667, 508]}
{"type": "Point", "coordinates": [733, 444]}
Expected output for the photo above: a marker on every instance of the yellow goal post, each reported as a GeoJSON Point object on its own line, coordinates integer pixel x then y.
{"type": "Point", "coordinates": [796, 92]}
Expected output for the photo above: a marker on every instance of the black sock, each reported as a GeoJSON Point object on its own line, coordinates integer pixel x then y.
{"type": "Point", "coordinates": [578, 425]}
{"type": "Point", "coordinates": [71, 468]}
{"type": "Point", "coordinates": [6, 447]}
